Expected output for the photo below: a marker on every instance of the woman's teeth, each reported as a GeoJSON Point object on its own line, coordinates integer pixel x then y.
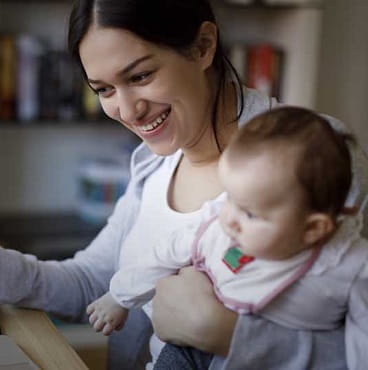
{"type": "Point", "coordinates": [158, 121]}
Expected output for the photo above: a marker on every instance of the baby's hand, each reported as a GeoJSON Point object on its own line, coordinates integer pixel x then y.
{"type": "Point", "coordinates": [106, 315]}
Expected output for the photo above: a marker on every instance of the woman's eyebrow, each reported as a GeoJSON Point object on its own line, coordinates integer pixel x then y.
{"type": "Point", "coordinates": [126, 69]}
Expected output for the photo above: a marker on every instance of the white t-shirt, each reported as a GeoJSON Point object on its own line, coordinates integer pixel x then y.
{"type": "Point", "coordinates": [155, 220]}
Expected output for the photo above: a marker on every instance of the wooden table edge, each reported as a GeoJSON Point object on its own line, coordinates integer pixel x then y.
{"type": "Point", "coordinates": [37, 336]}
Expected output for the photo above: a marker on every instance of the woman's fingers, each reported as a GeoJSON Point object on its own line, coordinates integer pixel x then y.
{"type": "Point", "coordinates": [187, 312]}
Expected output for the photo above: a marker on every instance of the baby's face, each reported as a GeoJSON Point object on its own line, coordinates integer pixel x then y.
{"type": "Point", "coordinates": [265, 209]}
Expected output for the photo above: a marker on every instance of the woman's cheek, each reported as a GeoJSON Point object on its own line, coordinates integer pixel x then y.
{"type": "Point", "coordinates": [109, 110]}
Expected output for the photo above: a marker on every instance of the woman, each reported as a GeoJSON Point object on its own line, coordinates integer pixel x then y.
{"type": "Point", "coordinates": [159, 69]}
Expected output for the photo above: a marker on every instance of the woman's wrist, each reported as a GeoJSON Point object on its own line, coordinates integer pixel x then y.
{"type": "Point", "coordinates": [215, 327]}
{"type": "Point", "coordinates": [187, 312]}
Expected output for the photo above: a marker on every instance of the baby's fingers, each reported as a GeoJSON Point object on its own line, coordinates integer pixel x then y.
{"type": "Point", "coordinates": [120, 326]}
{"type": "Point", "coordinates": [108, 329]}
{"type": "Point", "coordinates": [90, 308]}
{"type": "Point", "coordinates": [93, 318]}
{"type": "Point", "coordinates": [99, 325]}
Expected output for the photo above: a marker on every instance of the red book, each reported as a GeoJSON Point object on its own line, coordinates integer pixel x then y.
{"type": "Point", "coordinates": [7, 77]}
{"type": "Point", "coordinates": [264, 66]}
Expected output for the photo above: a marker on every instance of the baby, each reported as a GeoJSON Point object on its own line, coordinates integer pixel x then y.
{"type": "Point", "coordinates": [270, 248]}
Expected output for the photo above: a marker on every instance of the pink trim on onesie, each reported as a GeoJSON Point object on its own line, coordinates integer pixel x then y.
{"type": "Point", "coordinates": [196, 257]}
{"type": "Point", "coordinates": [198, 262]}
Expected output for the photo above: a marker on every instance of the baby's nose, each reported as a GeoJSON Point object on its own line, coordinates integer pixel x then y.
{"type": "Point", "coordinates": [234, 225]}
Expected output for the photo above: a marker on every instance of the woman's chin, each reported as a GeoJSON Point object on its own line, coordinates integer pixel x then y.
{"type": "Point", "coordinates": [162, 150]}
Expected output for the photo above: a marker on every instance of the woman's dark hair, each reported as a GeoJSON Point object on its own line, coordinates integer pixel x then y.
{"type": "Point", "coordinates": [170, 23]}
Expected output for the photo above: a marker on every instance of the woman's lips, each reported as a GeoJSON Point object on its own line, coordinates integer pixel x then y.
{"type": "Point", "coordinates": [155, 126]}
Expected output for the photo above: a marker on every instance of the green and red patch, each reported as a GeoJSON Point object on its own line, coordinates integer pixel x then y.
{"type": "Point", "coordinates": [234, 259]}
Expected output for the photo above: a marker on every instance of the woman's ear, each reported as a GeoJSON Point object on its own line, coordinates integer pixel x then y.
{"type": "Point", "coordinates": [206, 44]}
{"type": "Point", "coordinates": [319, 227]}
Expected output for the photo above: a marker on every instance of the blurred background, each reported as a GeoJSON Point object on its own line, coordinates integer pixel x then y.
{"type": "Point", "coordinates": [63, 164]}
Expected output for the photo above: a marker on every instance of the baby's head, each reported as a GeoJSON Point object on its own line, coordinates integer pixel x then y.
{"type": "Point", "coordinates": [287, 174]}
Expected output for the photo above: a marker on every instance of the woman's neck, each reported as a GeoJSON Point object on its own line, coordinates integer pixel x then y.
{"type": "Point", "coordinates": [207, 149]}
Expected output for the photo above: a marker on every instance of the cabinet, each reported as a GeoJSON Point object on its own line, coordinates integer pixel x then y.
{"type": "Point", "coordinates": [43, 82]}
{"type": "Point", "coordinates": [294, 28]}
{"type": "Point", "coordinates": [38, 162]}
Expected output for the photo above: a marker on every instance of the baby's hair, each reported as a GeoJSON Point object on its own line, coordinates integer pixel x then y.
{"type": "Point", "coordinates": [323, 162]}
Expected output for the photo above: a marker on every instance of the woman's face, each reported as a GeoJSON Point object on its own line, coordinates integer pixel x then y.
{"type": "Point", "coordinates": [157, 93]}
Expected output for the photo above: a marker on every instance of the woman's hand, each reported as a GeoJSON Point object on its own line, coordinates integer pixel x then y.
{"type": "Point", "coordinates": [186, 312]}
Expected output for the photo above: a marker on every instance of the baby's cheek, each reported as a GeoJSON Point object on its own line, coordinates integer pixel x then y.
{"type": "Point", "coordinates": [223, 217]}
{"type": "Point", "coordinates": [258, 243]}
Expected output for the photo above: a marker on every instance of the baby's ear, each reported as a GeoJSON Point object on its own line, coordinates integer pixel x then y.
{"type": "Point", "coordinates": [319, 227]}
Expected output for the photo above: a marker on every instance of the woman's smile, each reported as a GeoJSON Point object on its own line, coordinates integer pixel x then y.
{"type": "Point", "coordinates": [159, 94]}
{"type": "Point", "coordinates": [153, 127]}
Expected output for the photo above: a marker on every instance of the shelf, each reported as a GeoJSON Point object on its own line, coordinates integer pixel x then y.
{"type": "Point", "coordinates": [48, 236]}
{"type": "Point", "coordinates": [39, 168]}
{"type": "Point", "coordinates": [109, 124]}
{"type": "Point", "coordinates": [236, 4]}
{"type": "Point", "coordinates": [230, 3]}
{"type": "Point", "coordinates": [38, 1]}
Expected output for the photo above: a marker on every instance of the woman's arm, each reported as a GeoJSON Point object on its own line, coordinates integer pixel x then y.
{"type": "Point", "coordinates": [186, 312]}
{"type": "Point", "coordinates": [64, 287]}
{"type": "Point", "coordinates": [356, 324]}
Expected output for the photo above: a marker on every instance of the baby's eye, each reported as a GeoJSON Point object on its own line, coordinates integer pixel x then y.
{"type": "Point", "coordinates": [250, 215]}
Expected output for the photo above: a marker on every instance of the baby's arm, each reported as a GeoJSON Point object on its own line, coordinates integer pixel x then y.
{"type": "Point", "coordinates": [134, 284]}
{"type": "Point", "coordinates": [106, 315]}
{"type": "Point", "coordinates": [356, 325]}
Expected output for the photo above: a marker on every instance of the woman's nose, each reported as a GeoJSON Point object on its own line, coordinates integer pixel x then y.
{"type": "Point", "coordinates": [130, 108]}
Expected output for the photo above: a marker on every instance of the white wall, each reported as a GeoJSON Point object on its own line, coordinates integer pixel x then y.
{"type": "Point", "coordinates": [297, 31]}
{"type": "Point", "coordinates": [42, 18]}
{"type": "Point", "coordinates": [343, 74]}
{"type": "Point", "coordinates": [39, 165]}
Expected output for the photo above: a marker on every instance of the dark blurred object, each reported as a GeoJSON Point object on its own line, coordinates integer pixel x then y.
{"type": "Point", "coordinates": [102, 181]}
{"type": "Point", "coordinates": [60, 87]}
{"type": "Point", "coordinates": [48, 236]}
{"type": "Point", "coordinates": [8, 60]}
